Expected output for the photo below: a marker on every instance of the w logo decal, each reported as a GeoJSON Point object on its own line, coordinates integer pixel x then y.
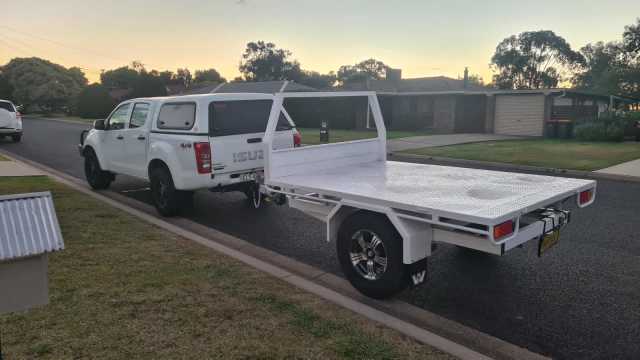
{"type": "Point", "coordinates": [418, 277]}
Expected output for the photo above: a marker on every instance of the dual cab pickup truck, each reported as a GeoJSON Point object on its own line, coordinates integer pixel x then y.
{"type": "Point", "coordinates": [384, 216]}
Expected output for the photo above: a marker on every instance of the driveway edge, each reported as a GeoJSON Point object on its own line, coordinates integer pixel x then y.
{"type": "Point", "coordinates": [405, 318]}
{"type": "Point", "coordinates": [502, 166]}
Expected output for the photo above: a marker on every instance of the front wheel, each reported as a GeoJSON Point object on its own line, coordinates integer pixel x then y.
{"type": "Point", "coordinates": [97, 178]}
{"type": "Point", "coordinates": [168, 200]}
{"type": "Point", "coordinates": [370, 254]}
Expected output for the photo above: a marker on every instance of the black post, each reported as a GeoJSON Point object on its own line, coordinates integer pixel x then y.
{"type": "Point", "coordinates": [324, 134]}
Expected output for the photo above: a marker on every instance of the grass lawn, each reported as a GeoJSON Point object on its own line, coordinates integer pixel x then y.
{"type": "Point", "coordinates": [2, 158]}
{"type": "Point", "coordinates": [311, 136]}
{"type": "Point", "coordinates": [563, 154]}
{"type": "Point", "coordinates": [124, 289]}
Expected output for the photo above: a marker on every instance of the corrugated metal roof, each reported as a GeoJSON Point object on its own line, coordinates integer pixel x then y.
{"type": "Point", "coordinates": [28, 226]}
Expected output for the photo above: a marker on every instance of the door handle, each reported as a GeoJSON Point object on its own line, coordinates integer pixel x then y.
{"type": "Point", "coordinates": [119, 137]}
{"type": "Point", "coordinates": [140, 137]}
{"type": "Point", "coordinates": [254, 140]}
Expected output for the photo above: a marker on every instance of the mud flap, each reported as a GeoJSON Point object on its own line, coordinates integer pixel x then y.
{"type": "Point", "coordinates": [417, 272]}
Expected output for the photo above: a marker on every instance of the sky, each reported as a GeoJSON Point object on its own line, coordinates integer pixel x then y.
{"type": "Point", "coordinates": [423, 38]}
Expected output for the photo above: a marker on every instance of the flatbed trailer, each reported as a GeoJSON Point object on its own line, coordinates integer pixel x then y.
{"type": "Point", "coordinates": [385, 216]}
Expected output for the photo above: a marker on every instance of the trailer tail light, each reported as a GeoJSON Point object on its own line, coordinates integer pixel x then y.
{"type": "Point", "coordinates": [502, 230]}
{"type": "Point", "coordinates": [203, 157]}
{"type": "Point", "coordinates": [585, 197]}
{"type": "Point", "coordinates": [297, 138]}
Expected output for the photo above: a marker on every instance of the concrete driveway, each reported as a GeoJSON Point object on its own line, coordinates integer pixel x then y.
{"type": "Point", "coordinates": [416, 142]}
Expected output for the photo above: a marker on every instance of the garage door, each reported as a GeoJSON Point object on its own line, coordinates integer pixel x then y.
{"type": "Point", "coordinates": [519, 115]}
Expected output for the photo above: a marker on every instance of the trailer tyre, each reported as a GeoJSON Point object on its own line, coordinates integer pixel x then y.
{"type": "Point", "coordinates": [370, 254]}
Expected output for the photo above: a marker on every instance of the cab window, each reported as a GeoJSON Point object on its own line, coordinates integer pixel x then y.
{"type": "Point", "coordinates": [119, 117]}
{"type": "Point", "coordinates": [139, 115]}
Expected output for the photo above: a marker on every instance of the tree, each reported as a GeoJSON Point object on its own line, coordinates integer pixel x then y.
{"type": "Point", "coordinates": [263, 61]}
{"type": "Point", "coordinates": [6, 90]}
{"type": "Point", "coordinates": [604, 68]}
{"type": "Point", "coordinates": [208, 75]}
{"type": "Point", "coordinates": [631, 37]}
{"type": "Point", "coordinates": [317, 80]}
{"type": "Point", "coordinates": [120, 78]}
{"type": "Point", "coordinates": [370, 69]}
{"type": "Point", "coordinates": [40, 82]}
{"type": "Point", "coordinates": [148, 85]}
{"type": "Point", "coordinates": [533, 60]}
{"type": "Point", "coordinates": [183, 76]}
{"type": "Point", "coordinates": [94, 102]}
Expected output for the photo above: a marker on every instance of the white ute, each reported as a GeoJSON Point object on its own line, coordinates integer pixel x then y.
{"type": "Point", "coordinates": [384, 216]}
{"type": "Point", "coordinates": [185, 143]}
{"type": "Point", "coordinates": [10, 121]}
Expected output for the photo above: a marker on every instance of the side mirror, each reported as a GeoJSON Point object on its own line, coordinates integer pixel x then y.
{"type": "Point", "coordinates": [99, 125]}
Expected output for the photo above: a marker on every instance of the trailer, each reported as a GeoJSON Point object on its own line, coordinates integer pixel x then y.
{"type": "Point", "coordinates": [386, 216]}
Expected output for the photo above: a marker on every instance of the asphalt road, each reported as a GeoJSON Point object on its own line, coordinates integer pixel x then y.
{"type": "Point", "coordinates": [580, 301]}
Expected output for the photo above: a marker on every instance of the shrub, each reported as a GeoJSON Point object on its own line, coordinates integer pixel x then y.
{"type": "Point", "coordinates": [94, 102]}
{"type": "Point", "coordinates": [608, 127]}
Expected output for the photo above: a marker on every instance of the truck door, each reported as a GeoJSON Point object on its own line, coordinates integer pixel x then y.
{"type": "Point", "coordinates": [236, 129]}
{"type": "Point", "coordinates": [136, 139]}
{"type": "Point", "coordinates": [113, 152]}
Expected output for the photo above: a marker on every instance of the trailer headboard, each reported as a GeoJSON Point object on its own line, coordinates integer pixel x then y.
{"type": "Point", "coordinates": [301, 160]}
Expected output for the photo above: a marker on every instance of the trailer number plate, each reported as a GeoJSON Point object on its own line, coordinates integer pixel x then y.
{"type": "Point", "coordinates": [548, 240]}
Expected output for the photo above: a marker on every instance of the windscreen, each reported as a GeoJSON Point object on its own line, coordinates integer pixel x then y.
{"type": "Point", "coordinates": [6, 106]}
{"type": "Point", "coordinates": [331, 119]}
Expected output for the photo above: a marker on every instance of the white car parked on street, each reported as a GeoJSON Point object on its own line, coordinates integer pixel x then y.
{"type": "Point", "coordinates": [10, 121]}
{"type": "Point", "coordinates": [185, 143]}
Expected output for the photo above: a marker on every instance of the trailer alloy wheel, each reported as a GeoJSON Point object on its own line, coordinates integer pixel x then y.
{"type": "Point", "coordinates": [370, 254]}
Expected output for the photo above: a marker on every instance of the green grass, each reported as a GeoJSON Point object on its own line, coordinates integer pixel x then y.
{"type": "Point", "coordinates": [2, 158]}
{"type": "Point", "coordinates": [563, 154]}
{"type": "Point", "coordinates": [123, 288]}
{"type": "Point", "coordinates": [311, 136]}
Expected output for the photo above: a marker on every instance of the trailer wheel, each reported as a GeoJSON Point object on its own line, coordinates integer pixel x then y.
{"type": "Point", "coordinates": [168, 200]}
{"type": "Point", "coordinates": [370, 254]}
{"type": "Point", "coordinates": [97, 178]}
{"type": "Point", "coordinates": [255, 199]}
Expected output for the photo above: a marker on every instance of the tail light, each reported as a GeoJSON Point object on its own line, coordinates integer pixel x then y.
{"type": "Point", "coordinates": [18, 116]}
{"type": "Point", "coordinates": [585, 197]}
{"type": "Point", "coordinates": [297, 138]}
{"type": "Point", "coordinates": [203, 157]}
{"type": "Point", "coordinates": [502, 230]}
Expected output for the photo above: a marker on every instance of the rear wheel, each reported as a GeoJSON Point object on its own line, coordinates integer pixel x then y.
{"type": "Point", "coordinates": [168, 200]}
{"type": "Point", "coordinates": [370, 254]}
{"type": "Point", "coordinates": [97, 178]}
{"type": "Point", "coordinates": [16, 138]}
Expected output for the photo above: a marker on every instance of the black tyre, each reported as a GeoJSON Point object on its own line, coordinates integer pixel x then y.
{"type": "Point", "coordinates": [255, 199]}
{"type": "Point", "coordinates": [370, 254]}
{"type": "Point", "coordinates": [168, 200]}
{"type": "Point", "coordinates": [97, 178]}
{"type": "Point", "coordinates": [16, 138]}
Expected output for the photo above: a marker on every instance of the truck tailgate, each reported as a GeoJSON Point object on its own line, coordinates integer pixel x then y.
{"type": "Point", "coordinates": [479, 196]}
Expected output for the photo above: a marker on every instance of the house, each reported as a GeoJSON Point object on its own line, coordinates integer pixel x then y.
{"type": "Point", "coordinates": [440, 104]}
{"type": "Point", "coordinates": [445, 105]}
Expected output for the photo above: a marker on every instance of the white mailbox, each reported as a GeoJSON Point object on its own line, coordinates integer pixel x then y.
{"type": "Point", "coordinates": [29, 230]}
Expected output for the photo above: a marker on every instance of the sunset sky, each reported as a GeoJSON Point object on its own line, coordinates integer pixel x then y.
{"type": "Point", "coordinates": [423, 38]}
